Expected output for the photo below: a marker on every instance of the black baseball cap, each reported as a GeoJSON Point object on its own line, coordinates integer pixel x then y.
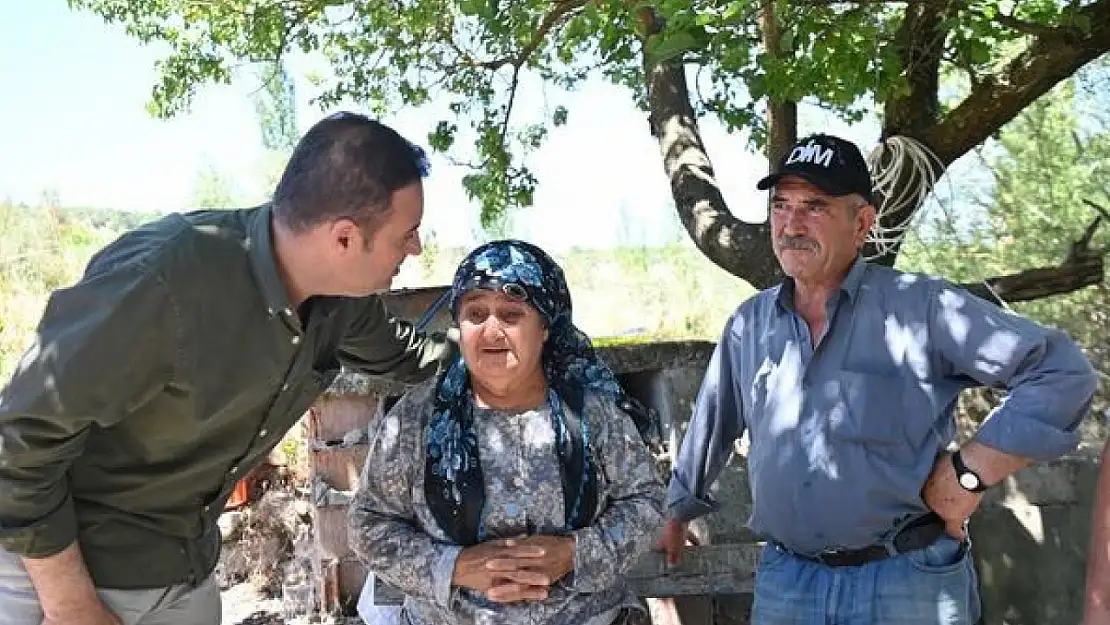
{"type": "Point", "coordinates": [830, 163]}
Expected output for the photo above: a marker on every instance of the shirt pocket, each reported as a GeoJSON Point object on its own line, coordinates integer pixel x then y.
{"type": "Point", "coordinates": [877, 411]}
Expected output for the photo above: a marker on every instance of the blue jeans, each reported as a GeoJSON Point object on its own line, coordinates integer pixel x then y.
{"type": "Point", "coordinates": [934, 586]}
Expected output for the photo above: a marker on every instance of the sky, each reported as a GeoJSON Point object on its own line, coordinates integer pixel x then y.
{"type": "Point", "coordinates": [73, 124]}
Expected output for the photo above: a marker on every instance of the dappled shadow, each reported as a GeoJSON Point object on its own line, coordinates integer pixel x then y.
{"type": "Point", "coordinates": [1030, 544]}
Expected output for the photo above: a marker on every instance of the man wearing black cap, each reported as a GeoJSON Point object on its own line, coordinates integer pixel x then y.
{"type": "Point", "coordinates": [845, 377]}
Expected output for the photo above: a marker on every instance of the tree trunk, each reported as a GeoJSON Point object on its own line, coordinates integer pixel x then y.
{"type": "Point", "coordinates": [740, 248]}
{"type": "Point", "coordinates": [744, 249]}
{"type": "Point", "coordinates": [782, 131]}
{"type": "Point", "coordinates": [782, 115]}
{"type": "Point", "coordinates": [920, 45]}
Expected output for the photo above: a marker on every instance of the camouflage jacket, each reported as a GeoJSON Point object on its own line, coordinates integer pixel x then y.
{"type": "Point", "coordinates": [394, 533]}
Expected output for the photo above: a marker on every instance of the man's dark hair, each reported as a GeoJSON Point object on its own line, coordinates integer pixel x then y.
{"type": "Point", "coordinates": [346, 166]}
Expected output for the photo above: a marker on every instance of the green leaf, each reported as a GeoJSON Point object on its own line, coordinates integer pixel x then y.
{"type": "Point", "coordinates": [560, 116]}
{"type": "Point", "coordinates": [472, 7]}
{"type": "Point", "coordinates": [661, 49]}
{"type": "Point", "coordinates": [443, 137]}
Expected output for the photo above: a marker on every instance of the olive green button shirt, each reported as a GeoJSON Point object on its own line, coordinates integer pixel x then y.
{"type": "Point", "coordinates": [159, 380]}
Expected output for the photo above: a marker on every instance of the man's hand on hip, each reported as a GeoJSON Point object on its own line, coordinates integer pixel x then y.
{"type": "Point", "coordinates": [944, 495]}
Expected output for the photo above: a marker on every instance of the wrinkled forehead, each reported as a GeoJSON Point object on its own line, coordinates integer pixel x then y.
{"type": "Point", "coordinates": [492, 295]}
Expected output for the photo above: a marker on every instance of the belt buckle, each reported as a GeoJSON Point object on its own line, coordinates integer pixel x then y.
{"type": "Point", "coordinates": [832, 557]}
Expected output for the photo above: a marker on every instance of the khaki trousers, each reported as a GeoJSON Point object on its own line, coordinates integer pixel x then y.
{"type": "Point", "coordinates": [177, 605]}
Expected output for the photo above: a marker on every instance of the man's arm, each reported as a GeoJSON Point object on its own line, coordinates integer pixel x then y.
{"type": "Point", "coordinates": [66, 591]}
{"type": "Point", "coordinates": [1050, 386]}
{"type": "Point", "coordinates": [102, 349]}
{"type": "Point", "coordinates": [1096, 609]}
{"type": "Point", "coordinates": [1050, 382]}
{"type": "Point", "coordinates": [377, 343]}
{"type": "Point", "coordinates": [717, 421]}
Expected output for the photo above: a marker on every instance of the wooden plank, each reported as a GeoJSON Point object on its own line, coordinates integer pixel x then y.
{"type": "Point", "coordinates": [705, 570]}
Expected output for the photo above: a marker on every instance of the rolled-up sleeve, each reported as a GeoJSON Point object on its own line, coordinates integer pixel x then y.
{"type": "Point", "coordinates": [383, 525]}
{"type": "Point", "coordinates": [378, 343]}
{"type": "Point", "coordinates": [717, 421]}
{"type": "Point", "coordinates": [607, 548]}
{"type": "Point", "coordinates": [103, 348]}
{"type": "Point", "coordinates": [1050, 383]}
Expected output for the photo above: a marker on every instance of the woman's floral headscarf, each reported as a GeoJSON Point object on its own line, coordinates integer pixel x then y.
{"type": "Point", "coordinates": [453, 479]}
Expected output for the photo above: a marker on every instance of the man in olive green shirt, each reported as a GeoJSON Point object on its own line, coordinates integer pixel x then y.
{"type": "Point", "coordinates": [178, 361]}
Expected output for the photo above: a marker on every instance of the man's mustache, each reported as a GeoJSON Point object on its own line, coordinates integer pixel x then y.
{"type": "Point", "coordinates": [797, 243]}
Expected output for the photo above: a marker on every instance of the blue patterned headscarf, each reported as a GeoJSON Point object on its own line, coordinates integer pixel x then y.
{"type": "Point", "coordinates": [453, 479]}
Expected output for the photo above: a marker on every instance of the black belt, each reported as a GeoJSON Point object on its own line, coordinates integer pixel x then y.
{"type": "Point", "coordinates": [917, 534]}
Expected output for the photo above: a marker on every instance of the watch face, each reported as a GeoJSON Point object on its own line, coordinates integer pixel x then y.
{"type": "Point", "coordinates": [969, 481]}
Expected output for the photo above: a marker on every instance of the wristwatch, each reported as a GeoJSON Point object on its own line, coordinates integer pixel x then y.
{"type": "Point", "coordinates": [968, 479]}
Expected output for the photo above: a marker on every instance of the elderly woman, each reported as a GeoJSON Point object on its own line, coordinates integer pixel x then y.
{"type": "Point", "coordinates": [513, 488]}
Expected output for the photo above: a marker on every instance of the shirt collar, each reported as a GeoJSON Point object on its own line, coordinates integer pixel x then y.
{"type": "Point", "coordinates": [849, 286]}
{"type": "Point", "coordinates": [854, 279]}
{"type": "Point", "coordinates": [260, 248]}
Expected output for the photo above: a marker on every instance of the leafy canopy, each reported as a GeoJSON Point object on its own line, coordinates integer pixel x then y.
{"type": "Point", "coordinates": [473, 54]}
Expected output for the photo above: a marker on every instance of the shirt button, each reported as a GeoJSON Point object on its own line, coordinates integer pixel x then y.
{"type": "Point", "coordinates": [285, 387]}
{"type": "Point", "coordinates": [288, 312]}
{"type": "Point", "coordinates": [263, 433]}
{"type": "Point", "coordinates": [296, 340]}
{"type": "Point", "coordinates": [207, 508]}
{"type": "Point", "coordinates": [234, 469]}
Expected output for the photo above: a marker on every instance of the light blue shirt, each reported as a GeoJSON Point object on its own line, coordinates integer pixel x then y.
{"type": "Point", "coordinates": [843, 436]}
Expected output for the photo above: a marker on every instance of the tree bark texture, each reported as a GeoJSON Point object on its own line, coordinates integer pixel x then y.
{"type": "Point", "coordinates": [744, 249]}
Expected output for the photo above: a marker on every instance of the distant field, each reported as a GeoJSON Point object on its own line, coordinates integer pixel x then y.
{"type": "Point", "coordinates": [665, 292]}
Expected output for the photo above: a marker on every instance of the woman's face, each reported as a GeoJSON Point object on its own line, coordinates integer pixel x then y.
{"type": "Point", "coordinates": [502, 338]}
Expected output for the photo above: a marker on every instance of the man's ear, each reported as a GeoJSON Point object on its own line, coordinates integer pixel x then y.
{"type": "Point", "coordinates": [345, 234]}
{"type": "Point", "coordinates": [865, 220]}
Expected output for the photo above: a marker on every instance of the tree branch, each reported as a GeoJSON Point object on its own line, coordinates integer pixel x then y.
{"type": "Point", "coordinates": [560, 11]}
{"type": "Point", "coordinates": [504, 132]}
{"type": "Point", "coordinates": [1033, 284]}
{"type": "Point", "coordinates": [1029, 28]}
{"type": "Point", "coordinates": [1100, 209]}
{"type": "Point", "coordinates": [920, 44]}
{"type": "Point", "coordinates": [999, 97]}
{"type": "Point", "coordinates": [1081, 268]}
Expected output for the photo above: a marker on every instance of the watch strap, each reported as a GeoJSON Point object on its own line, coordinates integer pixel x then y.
{"type": "Point", "coordinates": [962, 469]}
